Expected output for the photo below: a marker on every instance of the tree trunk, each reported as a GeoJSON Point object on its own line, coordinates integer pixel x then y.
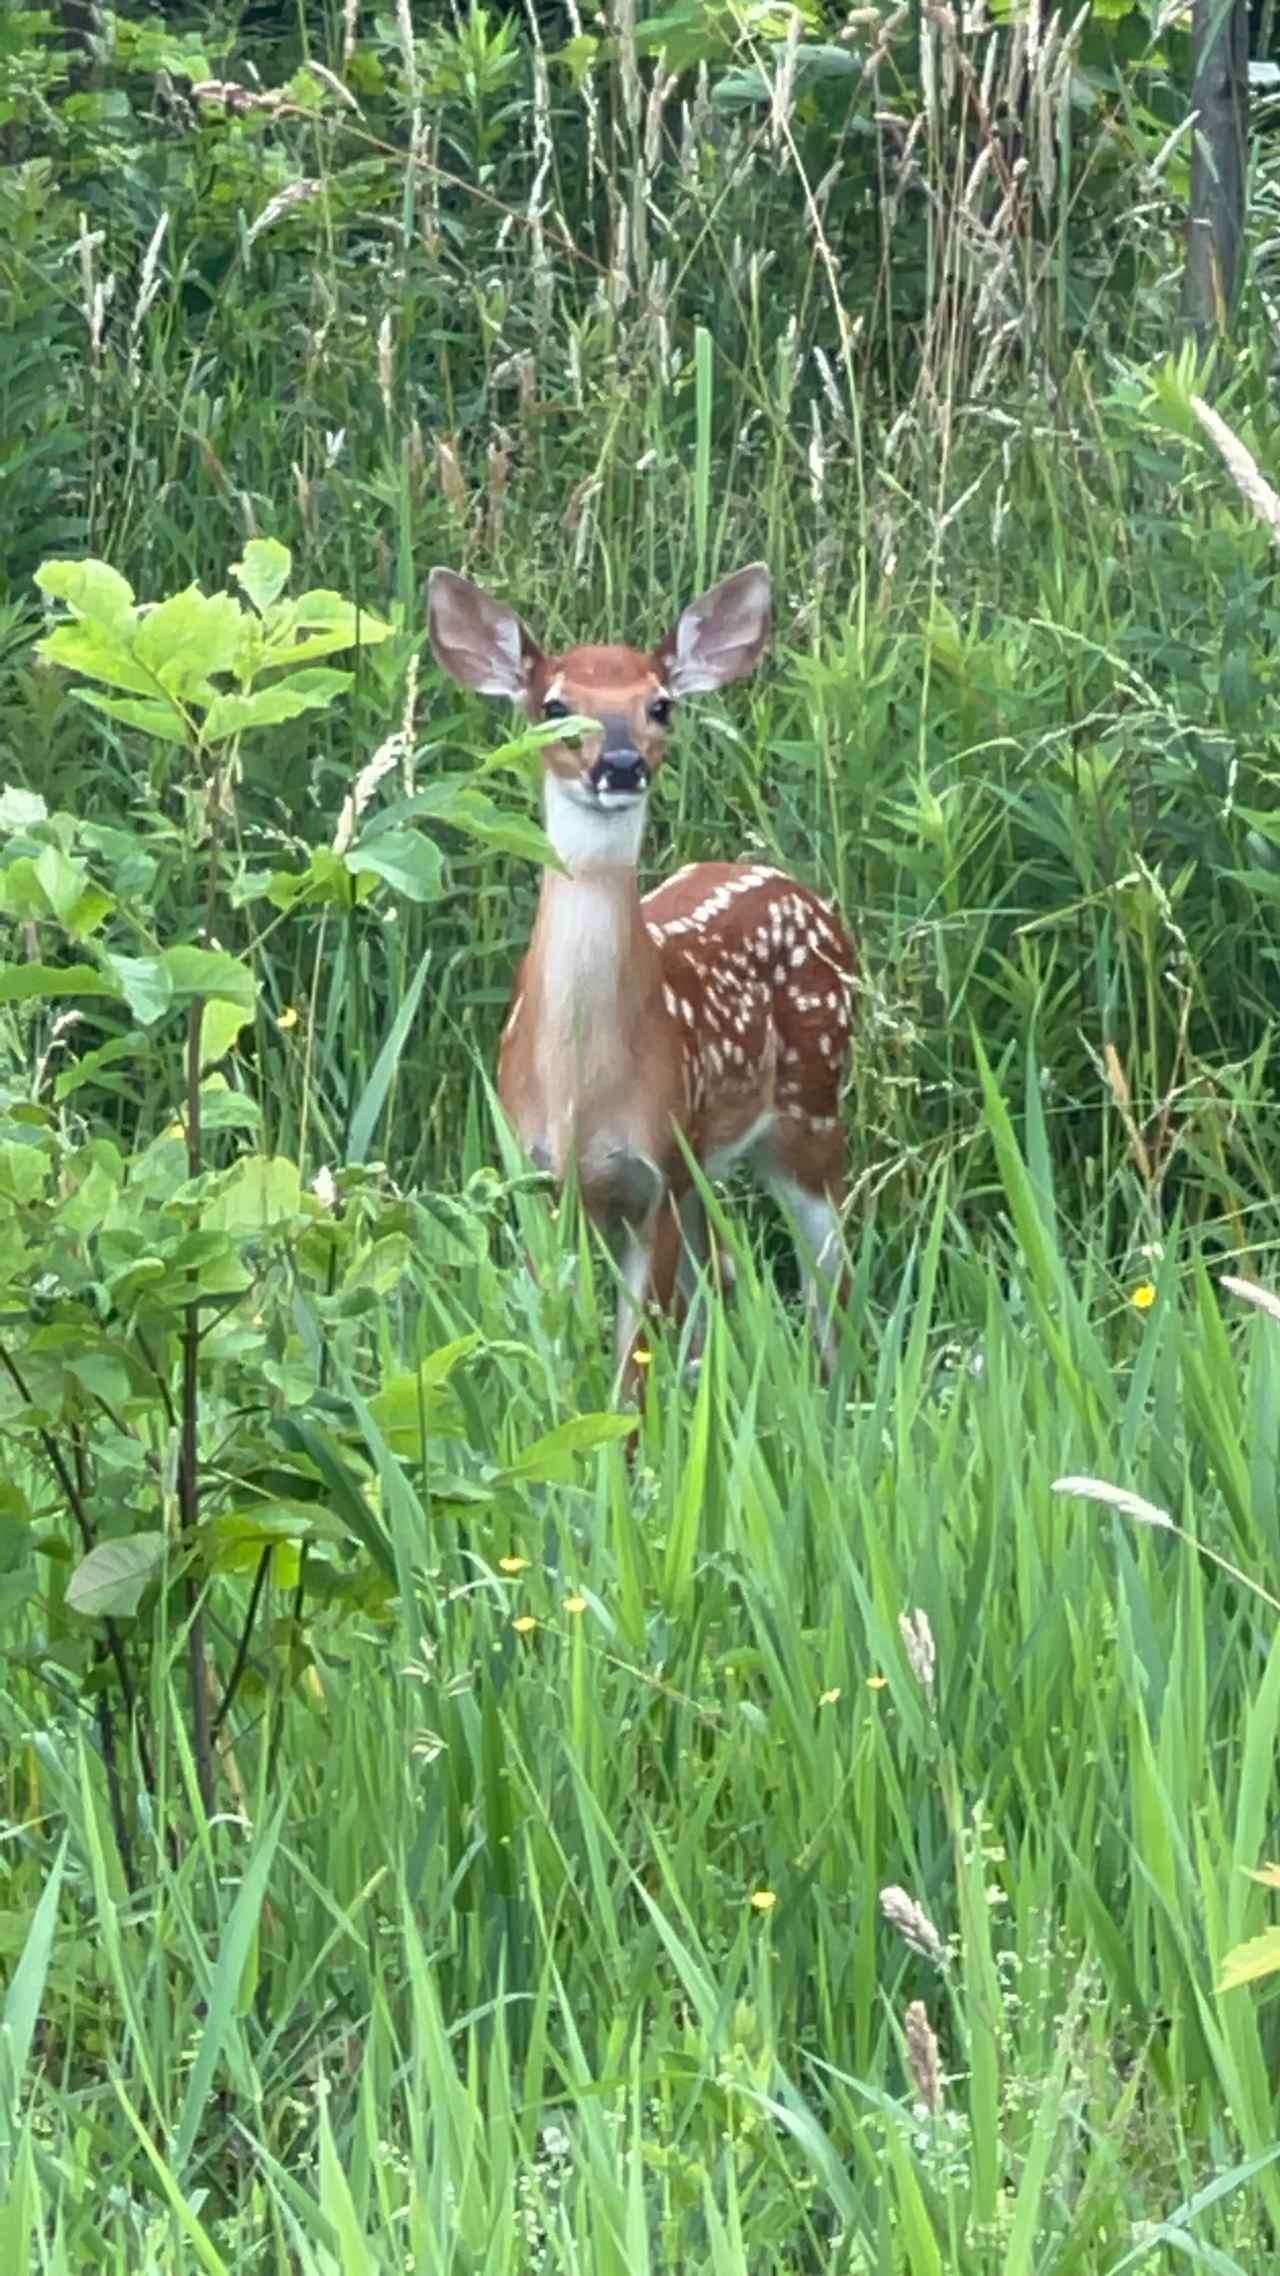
{"type": "Point", "coordinates": [1220, 98]}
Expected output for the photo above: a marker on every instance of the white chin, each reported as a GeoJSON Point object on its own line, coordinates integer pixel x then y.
{"type": "Point", "coordinates": [593, 826]}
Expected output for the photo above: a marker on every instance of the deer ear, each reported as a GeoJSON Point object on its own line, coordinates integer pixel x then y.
{"type": "Point", "coordinates": [477, 641]}
{"type": "Point", "coordinates": [720, 637]}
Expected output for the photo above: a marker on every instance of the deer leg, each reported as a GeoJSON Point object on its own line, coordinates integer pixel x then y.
{"type": "Point", "coordinates": [634, 1260]}
{"type": "Point", "coordinates": [692, 1261]}
{"type": "Point", "coordinates": [807, 1179]}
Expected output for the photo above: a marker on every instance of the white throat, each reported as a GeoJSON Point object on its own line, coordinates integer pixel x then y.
{"type": "Point", "coordinates": [592, 837]}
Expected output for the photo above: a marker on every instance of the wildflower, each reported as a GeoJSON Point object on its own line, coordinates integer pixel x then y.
{"type": "Point", "coordinates": [642, 1357]}
{"type": "Point", "coordinates": [764, 1900]}
{"type": "Point", "coordinates": [287, 1018]}
{"type": "Point", "coordinates": [1143, 1296]}
{"type": "Point", "coordinates": [513, 1564]}
{"type": "Point", "coordinates": [575, 1604]}
{"type": "Point", "coordinates": [876, 1682]}
{"type": "Point", "coordinates": [829, 1698]}
{"type": "Point", "coordinates": [525, 1625]}
{"type": "Point", "coordinates": [911, 1921]}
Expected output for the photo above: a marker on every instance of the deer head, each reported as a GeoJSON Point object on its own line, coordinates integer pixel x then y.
{"type": "Point", "coordinates": [595, 788]}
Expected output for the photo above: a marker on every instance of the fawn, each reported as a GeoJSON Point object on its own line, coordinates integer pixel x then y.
{"type": "Point", "coordinates": [716, 1007]}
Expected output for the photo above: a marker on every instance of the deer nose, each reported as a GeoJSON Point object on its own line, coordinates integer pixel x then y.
{"type": "Point", "coordinates": [620, 770]}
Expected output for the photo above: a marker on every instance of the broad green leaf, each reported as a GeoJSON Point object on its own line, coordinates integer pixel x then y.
{"type": "Point", "coordinates": [91, 589]}
{"type": "Point", "coordinates": [82, 648]}
{"type": "Point", "coordinates": [237, 1537]}
{"type": "Point", "coordinates": [221, 1024]}
{"type": "Point", "coordinates": [24, 1171]}
{"type": "Point", "coordinates": [210, 972]}
{"type": "Point", "coordinates": [189, 637]}
{"type": "Point", "coordinates": [109, 1583]}
{"type": "Point", "coordinates": [404, 859]}
{"type": "Point", "coordinates": [150, 716]}
{"type": "Point", "coordinates": [262, 1191]}
{"type": "Point", "coordinates": [319, 624]}
{"type": "Point", "coordinates": [221, 1108]}
{"type": "Point", "coordinates": [287, 699]}
{"type": "Point", "coordinates": [145, 985]}
{"type": "Point", "coordinates": [78, 904]}
{"type": "Point", "coordinates": [24, 983]}
{"type": "Point", "coordinates": [324, 879]}
{"type": "Point", "coordinates": [264, 571]}
{"type": "Point", "coordinates": [462, 807]}
{"type": "Point", "coordinates": [411, 1409]}
{"type": "Point", "coordinates": [551, 1458]}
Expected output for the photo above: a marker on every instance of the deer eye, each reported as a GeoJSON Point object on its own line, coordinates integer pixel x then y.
{"type": "Point", "coordinates": [553, 708]}
{"type": "Point", "coordinates": [660, 711]}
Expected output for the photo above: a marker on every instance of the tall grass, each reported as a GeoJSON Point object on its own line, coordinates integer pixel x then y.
{"type": "Point", "coordinates": [544, 1924]}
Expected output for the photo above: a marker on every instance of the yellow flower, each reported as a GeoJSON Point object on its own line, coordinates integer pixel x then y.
{"type": "Point", "coordinates": [876, 1682]}
{"type": "Point", "coordinates": [642, 1357]}
{"type": "Point", "coordinates": [513, 1564]}
{"type": "Point", "coordinates": [525, 1625]}
{"type": "Point", "coordinates": [575, 1604]}
{"type": "Point", "coordinates": [764, 1900]}
{"type": "Point", "coordinates": [1143, 1296]}
{"type": "Point", "coordinates": [287, 1018]}
{"type": "Point", "coordinates": [829, 1698]}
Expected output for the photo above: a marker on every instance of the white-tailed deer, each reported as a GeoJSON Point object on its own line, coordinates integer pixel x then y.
{"type": "Point", "coordinates": [716, 1007]}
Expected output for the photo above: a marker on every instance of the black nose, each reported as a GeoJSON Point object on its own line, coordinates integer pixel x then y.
{"type": "Point", "coordinates": [622, 771]}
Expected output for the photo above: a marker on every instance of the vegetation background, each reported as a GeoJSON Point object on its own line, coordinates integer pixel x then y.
{"type": "Point", "coordinates": [429, 1842]}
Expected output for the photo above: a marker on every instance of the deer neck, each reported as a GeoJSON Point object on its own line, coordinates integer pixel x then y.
{"type": "Point", "coordinates": [597, 965]}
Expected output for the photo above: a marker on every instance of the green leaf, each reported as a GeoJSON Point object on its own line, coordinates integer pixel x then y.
{"type": "Point", "coordinates": [235, 1943]}
{"type": "Point", "coordinates": [109, 1583]}
{"type": "Point", "coordinates": [406, 860]}
{"type": "Point", "coordinates": [550, 1460]}
{"type": "Point", "coordinates": [262, 1191]}
{"type": "Point", "coordinates": [1247, 1963]}
{"type": "Point", "coordinates": [319, 624]}
{"type": "Point", "coordinates": [221, 1108]}
{"type": "Point", "coordinates": [73, 899]}
{"type": "Point", "coordinates": [24, 983]}
{"type": "Point", "coordinates": [264, 571]}
{"type": "Point", "coordinates": [189, 637]}
{"type": "Point", "coordinates": [373, 1098]}
{"type": "Point", "coordinates": [287, 699]}
{"type": "Point", "coordinates": [25, 1992]}
{"type": "Point", "coordinates": [83, 648]}
{"type": "Point", "coordinates": [462, 807]}
{"type": "Point", "coordinates": [145, 985]}
{"type": "Point", "coordinates": [221, 1024]}
{"type": "Point", "coordinates": [210, 972]}
{"type": "Point", "coordinates": [324, 879]}
{"type": "Point", "coordinates": [150, 716]}
{"type": "Point", "coordinates": [90, 589]}
{"type": "Point", "coordinates": [411, 1409]}
{"type": "Point", "coordinates": [24, 1171]}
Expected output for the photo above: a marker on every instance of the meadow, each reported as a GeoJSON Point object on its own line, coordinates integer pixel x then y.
{"type": "Point", "coordinates": [833, 1841]}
